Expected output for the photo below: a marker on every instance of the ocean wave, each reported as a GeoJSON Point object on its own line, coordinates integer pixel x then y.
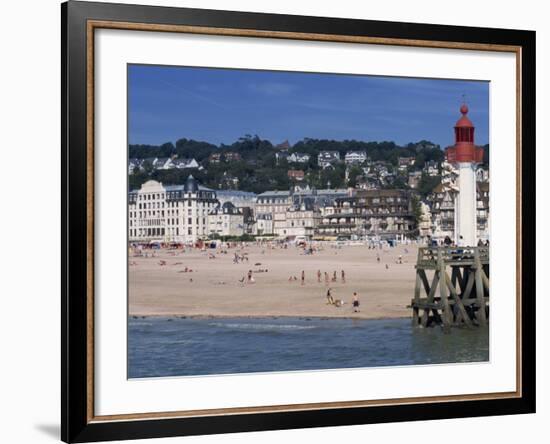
{"type": "Point", "coordinates": [134, 324]}
{"type": "Point", "coordinates": [261, 327]}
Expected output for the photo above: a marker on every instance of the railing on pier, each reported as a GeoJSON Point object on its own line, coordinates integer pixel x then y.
{"type": "Point", "coordinates": [428, 256]}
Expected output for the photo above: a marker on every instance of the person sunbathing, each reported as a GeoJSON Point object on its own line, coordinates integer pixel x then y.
{"type": "Point", "coordinates": [330, 299]}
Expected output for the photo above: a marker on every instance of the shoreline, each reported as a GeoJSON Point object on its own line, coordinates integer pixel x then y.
{"type": "Point", "coordinates": [241, 316]}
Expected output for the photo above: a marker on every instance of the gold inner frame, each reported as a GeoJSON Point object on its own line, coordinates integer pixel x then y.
{"type": "Point", "coordinates": [92, 25]}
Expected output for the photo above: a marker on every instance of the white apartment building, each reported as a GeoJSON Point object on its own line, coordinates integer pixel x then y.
{"type": "Point", "coordinates": [355, 157]}
{"type": "Point", "coordinates": [298, 158]}
{"type": "Point", "coordinates": [175, 213]}
{"type": "Point", "coordinates": [264, 224]}
{"type": "Point", "coordinates": [327, 158]}
{"type": "Point", "coordinates": [226, 220]}
{"type": "Point", "coordinates": [300, 220]}
{"type": "Point", "coordinates": [182, 164]}
{"type": "Point", "coordinates": [274, 202]}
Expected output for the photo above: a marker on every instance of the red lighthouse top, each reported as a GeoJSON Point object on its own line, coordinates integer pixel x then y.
{"type": "Point", "coordinates": [464, 149]}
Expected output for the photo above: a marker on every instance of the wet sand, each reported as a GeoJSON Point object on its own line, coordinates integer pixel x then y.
{"type": "Point", "coordinates": [213, 288]}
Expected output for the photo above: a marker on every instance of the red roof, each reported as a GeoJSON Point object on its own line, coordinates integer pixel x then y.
{"type": "Point", "coordinates": [464, 122]}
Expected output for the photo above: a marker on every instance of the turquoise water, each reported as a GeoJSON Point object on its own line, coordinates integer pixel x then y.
{"type": "Point", "coordinates": [205, 346]}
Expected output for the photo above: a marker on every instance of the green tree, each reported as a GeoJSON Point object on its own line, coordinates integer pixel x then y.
{"type": "Point", "coordinates": [427, 184]}
{"type": "Point", "coordinates": [354, 172]}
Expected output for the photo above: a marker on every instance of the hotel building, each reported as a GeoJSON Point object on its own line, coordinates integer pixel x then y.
{"type": "Point", "coordinates": [175, 213]}
{"type": "Point", "coordinates": [381, 213]}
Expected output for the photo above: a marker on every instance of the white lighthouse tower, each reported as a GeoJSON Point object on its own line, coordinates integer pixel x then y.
{"type": "Point", "coordinates": [465, 156]}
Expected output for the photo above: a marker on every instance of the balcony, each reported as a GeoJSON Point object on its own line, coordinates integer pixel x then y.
{"type": "Point", "coordinates": [338, 225]}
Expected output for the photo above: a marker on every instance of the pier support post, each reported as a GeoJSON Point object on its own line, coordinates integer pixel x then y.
{"type": "Point", "coordinates": [463, 294]}
{"type": "Point", "coordinates": [480, 294]}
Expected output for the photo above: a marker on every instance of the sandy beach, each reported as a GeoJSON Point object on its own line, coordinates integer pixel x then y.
{"type": "Point", "coordinates": [160, 286]}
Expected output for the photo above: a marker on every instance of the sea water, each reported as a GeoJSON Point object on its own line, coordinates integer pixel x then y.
{"type": "Point", "coordinates": [159, 346]}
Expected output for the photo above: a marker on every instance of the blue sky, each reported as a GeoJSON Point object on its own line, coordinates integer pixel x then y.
{"type": "Point", "coordinates": [221, 105]}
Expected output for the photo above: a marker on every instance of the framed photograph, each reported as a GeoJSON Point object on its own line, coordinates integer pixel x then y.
{"type": "Point", "coordinates": [275, 221]}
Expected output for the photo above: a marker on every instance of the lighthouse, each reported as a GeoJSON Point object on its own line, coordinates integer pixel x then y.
{"type": "Point", "coordinates": [464, 155]}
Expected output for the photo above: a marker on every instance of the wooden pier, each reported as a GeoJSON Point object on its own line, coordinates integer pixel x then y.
{"type": "Point", "coordinates": [458, 298]}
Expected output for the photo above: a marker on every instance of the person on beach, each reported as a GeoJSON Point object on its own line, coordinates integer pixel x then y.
{"type": "Point", "coordinates": [303, 277]}
{"type": "Point", "coordinates": [326, 278]}
{"type": "Point", "coordinates": [343, 274]}
{"type": "Point", "coordinates": [249, 276]}
{"type": "Point", "coordinates": [319, 276]}
{"type": "Point", "coordinates": [355, 303]}
{"type": "Point", "coordinates": [330, 299]}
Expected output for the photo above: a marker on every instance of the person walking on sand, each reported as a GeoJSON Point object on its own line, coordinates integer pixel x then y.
{"type": "Point", "coordinates": [334, 276]}
{"type": "Point", "coordinates": [326, 278]}
{"type": "Point", "coordinates": [319, 276]}
{"type": "Point", "coordinates": [303, 277]}
{"type": "Point", "coordinates": [343, 276]}
{"type": "Point", "coordinates": [355, 302]}
{"type": "Point", "coordinates": [249, 276]}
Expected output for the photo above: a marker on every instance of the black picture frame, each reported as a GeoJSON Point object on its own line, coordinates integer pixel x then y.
{"type": "Point", "coordinates": [76, 423]}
